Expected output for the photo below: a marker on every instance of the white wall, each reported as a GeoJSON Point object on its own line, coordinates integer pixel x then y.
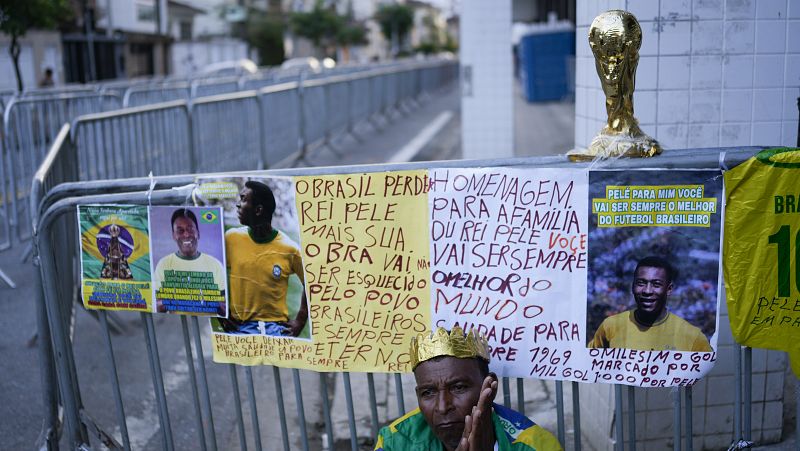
{"type": "Point", "coordinates": [124, 16]}
{"type": "Point", "coordinates": [486, 99]}
{"type": "Point", "coordinates": [711, 72]}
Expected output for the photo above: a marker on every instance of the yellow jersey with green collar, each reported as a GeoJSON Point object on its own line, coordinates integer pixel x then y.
{"type": "Point", "coordinates": [259, 274]}
{"type": "Point", "coordinates": [672, 333]}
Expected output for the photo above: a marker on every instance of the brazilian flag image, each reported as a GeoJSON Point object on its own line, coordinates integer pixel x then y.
{"type": "Point", "coordinates": [209, 216]}
{"type": "Point", "coordinates": [115, 257]}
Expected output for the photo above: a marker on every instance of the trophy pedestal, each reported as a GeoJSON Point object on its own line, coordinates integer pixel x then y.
{"type": "Point", "coordinates": [607, 145]}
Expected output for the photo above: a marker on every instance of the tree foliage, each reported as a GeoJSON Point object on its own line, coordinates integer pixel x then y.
{"type": "Point", "coordinates": [264, 32]}
{"type": "Point", "coordinates": [326, 28]}
{"type": "Point", "coordinates": [19, 16]}
{"type": "Point", "coordinates": [395, 20]}
{"type": "Point", "coordinates": [321, 25]}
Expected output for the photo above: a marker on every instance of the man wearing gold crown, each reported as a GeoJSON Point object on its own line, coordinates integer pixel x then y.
{"type": "Point", "coordinates": [455, 391]}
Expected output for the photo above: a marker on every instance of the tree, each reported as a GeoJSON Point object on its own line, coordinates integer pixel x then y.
{"type": "Point", "coordinates": [19, 16]}
{"type": "Point", "coordinates": [395, 21]}
{"type": "Point", "coordinates": [321, 25]}
{"type": "Point", "coordinates": [265, 34]}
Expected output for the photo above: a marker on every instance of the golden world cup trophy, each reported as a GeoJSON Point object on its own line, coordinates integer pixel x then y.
{"type": "Point", "coordinates": [615, 38]}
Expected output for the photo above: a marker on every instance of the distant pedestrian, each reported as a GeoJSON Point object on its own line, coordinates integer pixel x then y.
{"type": "Point", "coordinates": [47, 80]}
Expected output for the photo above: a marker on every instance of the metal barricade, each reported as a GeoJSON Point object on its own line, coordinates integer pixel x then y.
{"type": "Point", "coordinates": [337, 106]}
{"type": "Point", "coordinates": [280, 115]}
{"type": "Point", "coordinates": [146, 95]}
{"type": "Point", "coordinates": [258, 81]}
{"type": "Point", "coordinates": [226, 132]}
{"type": "Point", "coordinates": [215, 86]}
{"type": "Point", "coordinates": [359, 101]}
{"type": "Point", "coordinates": [314, 104]}
{"type": "Point", "coordinates": [200, 429]}
{"type": "Point", "coordinates": [30, 125]}
{"type": "Point", "coordinates": [133, 142]}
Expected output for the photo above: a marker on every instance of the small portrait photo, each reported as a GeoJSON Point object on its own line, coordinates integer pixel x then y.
{"type": "Point", "coordinates": [264, 263]}
{"type": "Point", "coordinates": [188, 251]}
{"type": "Point", "coordinates": [654, 287]}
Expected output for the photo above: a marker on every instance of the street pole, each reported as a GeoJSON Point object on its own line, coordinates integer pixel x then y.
{"type": "Point", "coordinates": [88, 26]}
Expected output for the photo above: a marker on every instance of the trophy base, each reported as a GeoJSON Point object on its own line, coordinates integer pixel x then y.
{"type": "Point", "coordinates": [618, 146]}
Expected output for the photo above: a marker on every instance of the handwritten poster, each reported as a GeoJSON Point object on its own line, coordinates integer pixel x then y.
{"type": "Point", "coordinates": [115, 257]}
{"type": "Point", "coordinates": [366, 260]}
{"type": "Point", "coordinates": [524, 257]}
{"type": "Point", "coordinates": [761, 257]}
{"type": "Point", "coordinates": [188, 252]}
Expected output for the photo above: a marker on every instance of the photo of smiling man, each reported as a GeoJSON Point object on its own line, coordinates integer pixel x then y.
{"type": "Point", "coordinates": [650, 326]}
{"type": "Point", "coordinates": [190, 278]}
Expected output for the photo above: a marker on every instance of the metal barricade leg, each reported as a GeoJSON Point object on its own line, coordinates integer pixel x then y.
{"type": "Point", "coordinates": [619, 437]}
{"type": "Point", "coordinates": [48, 436]}
{"type": "Point", "coordinates": [401, 405]}
{"type": "Point", "coordinates": [631, 418]}
{"type": "Point", "coordinates": [76, 433]}
{"type": "Point", "coordinates": [237, 406]}
{"type": "Point", "coordinates": [373, 404]}
{"type": "Point", "coordinates": [676, 419]}
{"type": "Point", "coordinates": [276, 375]}
{"type": "Point", "coordinates": [301, 412]}
{"type": "Point", "coordinates": [351, 416]}
{"type": "Point", "coordinates": [187, 345]}
{"type": "Point", "coordinates": [562, 436]}
{"type": "Point", "coordinates": [688, 407]}
{"type": "Point", "coordinates": [206, 398]}
{"type": "Point", "coordinates": [737, 405]}
{"type": "Point", "coordinates": [748, 392]}
{"type": "Point", "coordinates": [326, 411]}
{"type": "Point", "coordinates": [7, 279]}
{"type": "Point", "coordinates": [123, 425]}
{"type": "Point", "coordinates": [576, 415]}
{"type": "Point", "coordinates": [251, 394]}
{"type": "Point", "coordinates": [158, 381]}
{"type": "Point", "coordinates": [506, 392]}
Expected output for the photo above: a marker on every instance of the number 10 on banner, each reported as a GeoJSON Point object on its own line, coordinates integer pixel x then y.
{"type": "Point", "coordinates": [782, 239]}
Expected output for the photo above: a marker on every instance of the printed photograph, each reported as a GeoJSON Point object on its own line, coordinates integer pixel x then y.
{"type": "Point", "coordinates": [263, 258]}
{"type": "Point", "coordinates": [115, 257]}
{"type": "Point", "coordinates": [654, 287]}
{"type": "Point", "coordinates": [188, 250]}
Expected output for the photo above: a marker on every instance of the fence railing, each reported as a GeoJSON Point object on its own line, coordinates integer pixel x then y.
{"type": "Point", "coordinates": [249, 129]}
{"type": "Point", "coordinates": [29, 127]}
{"type": "Point", "coordinates": [207, 425]}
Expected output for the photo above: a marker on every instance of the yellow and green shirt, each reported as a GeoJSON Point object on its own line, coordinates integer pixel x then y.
{"type": "Point", "coordinates": [259, 274]}
{"type": "Point", "coordinates": [513, 432]}
{"type": "Point", "coordinates": [671, 333]}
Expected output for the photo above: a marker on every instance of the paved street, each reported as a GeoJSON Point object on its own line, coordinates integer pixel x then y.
{"type": "Point", "coordinates": [430, 132]}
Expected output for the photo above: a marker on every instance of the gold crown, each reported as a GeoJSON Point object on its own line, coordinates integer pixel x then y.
{"type": "Point", "coordinates": [455, 344]}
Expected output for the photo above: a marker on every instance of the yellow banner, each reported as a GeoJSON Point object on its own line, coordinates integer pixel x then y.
{"type": "Point", "coordinates": [366, 270]}
{"type": "Point", "coordinates": [654, 206]}
{"type": "Point", "coordinates": [761, 254]}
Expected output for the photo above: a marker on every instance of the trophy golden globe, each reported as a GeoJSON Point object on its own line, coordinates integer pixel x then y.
{"type": "Point", "coordinates": [615, 38]}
